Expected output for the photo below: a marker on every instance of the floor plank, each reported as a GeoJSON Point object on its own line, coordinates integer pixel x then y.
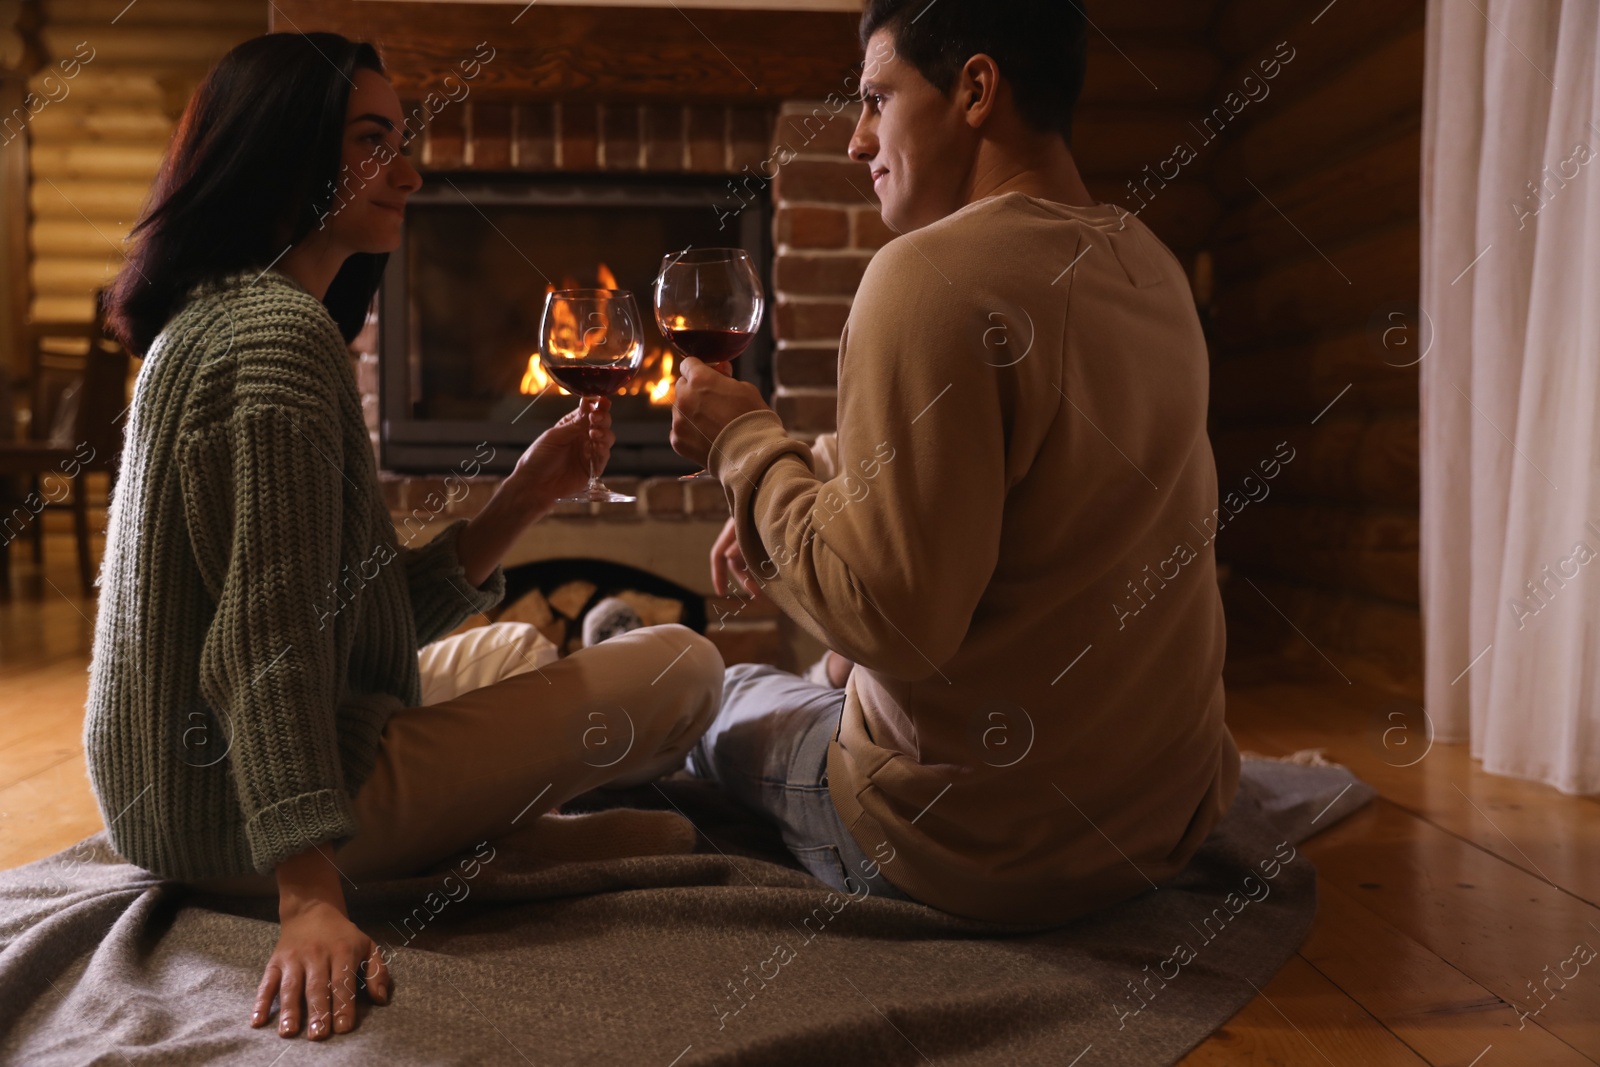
{"type": "Point", "coordinates": [1302, 1018]}
{"type": "Point", "coordinates": [1438, 1011]}
{"type": "Point", "coordinates": [47, 812]}
{"type": "Point", "coordinates": [45, 618]}
{"type": "Point", "coordinates": [1499, 925]}
{"type": "Point", "coordinates": [44, 725]}
{"type": "Point", "coordinates": [1552, 835]}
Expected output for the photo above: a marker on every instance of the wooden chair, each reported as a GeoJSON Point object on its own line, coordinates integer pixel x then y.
{"type": "Point", "coordinates": [78, 403]}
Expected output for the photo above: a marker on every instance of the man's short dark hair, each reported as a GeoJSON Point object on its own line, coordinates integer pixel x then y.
{"type": "Point", "coordinates": [1039, 46]}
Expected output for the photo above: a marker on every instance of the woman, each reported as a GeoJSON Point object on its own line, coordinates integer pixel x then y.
{"type": "Point", "coordinates": [253, 717]}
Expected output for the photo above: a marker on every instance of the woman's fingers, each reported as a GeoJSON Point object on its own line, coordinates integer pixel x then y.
{"type": "Point", "coordinates": [291, 991]}
{"type": "Point", "coordinates": [317, 1001]}
{"type": "Point", "coordinates": [264, 994]}
{"type": "Point", "coordinates": [344, 994]}
{"type": "Point", "coordinates": [376, 974]}
{"type": "Point", "coordinates": [317, 972]}
{"type": "Point", "coordinates": [600, 438]}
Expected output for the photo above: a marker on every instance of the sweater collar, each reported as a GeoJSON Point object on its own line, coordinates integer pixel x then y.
{"type": "Point", "coordinates": [245, 279]}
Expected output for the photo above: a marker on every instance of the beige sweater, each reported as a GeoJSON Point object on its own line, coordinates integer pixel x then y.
{"type": "Point", "coordinates": [1011, 537]}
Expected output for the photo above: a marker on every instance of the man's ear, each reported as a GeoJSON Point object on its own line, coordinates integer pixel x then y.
{"type": "Point", "coordinates": [978, 88]}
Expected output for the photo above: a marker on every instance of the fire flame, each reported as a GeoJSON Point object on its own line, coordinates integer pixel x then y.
{"type": "Point", "coordinates": [654, 380]}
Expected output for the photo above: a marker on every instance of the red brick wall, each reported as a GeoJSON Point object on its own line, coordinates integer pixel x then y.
{"type": "Point", "coordinates": [825, 229]}
{"type": "Point", "coordinates": [699, 138]}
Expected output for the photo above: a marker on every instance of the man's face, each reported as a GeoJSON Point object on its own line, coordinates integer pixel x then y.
{"type": "Point", "coordinates": [915, 139]}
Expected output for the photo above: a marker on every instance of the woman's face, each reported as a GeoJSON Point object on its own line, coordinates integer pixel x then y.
{"type": "Point", "coordinates": [375, 177]}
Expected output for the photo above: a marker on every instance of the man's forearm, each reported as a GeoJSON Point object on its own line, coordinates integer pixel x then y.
{"type": "Point", "coordinates": [308, 878]}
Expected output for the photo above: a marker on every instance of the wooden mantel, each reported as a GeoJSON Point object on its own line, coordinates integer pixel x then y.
{"type": "Point", "coordinates": [602, 52]}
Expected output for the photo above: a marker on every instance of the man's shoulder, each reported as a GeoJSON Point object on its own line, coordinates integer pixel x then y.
{"type": "Point", "coordinates": [953, 233]}
{"type": "Point", "coordinates": [967, 249]}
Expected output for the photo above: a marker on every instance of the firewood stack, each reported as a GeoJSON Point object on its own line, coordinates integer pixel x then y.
{"type": "Point", "coordinates": [559, 614]}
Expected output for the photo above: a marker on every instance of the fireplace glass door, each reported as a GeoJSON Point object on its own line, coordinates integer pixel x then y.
{"type": "Point", "coordinates": [461, 302]}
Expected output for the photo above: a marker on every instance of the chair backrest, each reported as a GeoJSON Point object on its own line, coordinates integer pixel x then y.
{"type": "Point", "coordinates": [103, 411]}
{"type": "Point", "coordinates": [79, 389]}
{"type": "Point", "coordinates": [58, 353]}
{"type": "Point", "coordinates": [102, 404]}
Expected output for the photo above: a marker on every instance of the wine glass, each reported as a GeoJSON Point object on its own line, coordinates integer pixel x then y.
{"type": "Point", "coordinates": [708, 305]}
{"type": "Point", "coordinates": [592, 342]}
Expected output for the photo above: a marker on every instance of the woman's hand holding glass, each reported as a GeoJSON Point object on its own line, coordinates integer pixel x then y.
{"type": "Point", "coordinates": [558, 463]}
{"type": "Point", "coordinates": [562, 463]}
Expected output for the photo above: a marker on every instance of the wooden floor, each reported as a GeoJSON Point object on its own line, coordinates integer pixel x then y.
{"type": "Point", "coordinates": [1450, 907]}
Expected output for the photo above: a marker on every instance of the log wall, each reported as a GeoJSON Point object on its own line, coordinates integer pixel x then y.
{"type": "Point", "coordinates": [1151, 73]}
{"type": "Point", "coordinates": [18, 56]}
{"type": "Point", "coordinates": [1316, 257]}
{"type": "Point", "coordinates": [95, 148]}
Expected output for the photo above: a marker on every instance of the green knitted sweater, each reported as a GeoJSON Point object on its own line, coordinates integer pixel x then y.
{"type": "Point", "coordinates": [258, 621]}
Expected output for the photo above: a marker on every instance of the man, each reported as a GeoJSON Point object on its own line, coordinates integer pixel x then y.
{"type": "Point", "coordinates": [1009, 534]}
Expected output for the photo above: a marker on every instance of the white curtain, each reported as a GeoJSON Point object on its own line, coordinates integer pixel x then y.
{"type": "Point", "coordinates": [1510, 387]}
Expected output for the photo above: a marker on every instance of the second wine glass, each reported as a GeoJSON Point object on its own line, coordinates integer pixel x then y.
{"type": "Point", "coordinates": [708, 304]}
{"type": "Point", "coordinates": [592, 342]}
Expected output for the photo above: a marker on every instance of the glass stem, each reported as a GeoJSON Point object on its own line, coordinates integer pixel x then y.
{"type": "Point", "coordinates": [594, 476]}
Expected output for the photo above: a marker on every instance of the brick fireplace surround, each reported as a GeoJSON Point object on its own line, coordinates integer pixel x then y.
{"type": "Point", "coordinates": [786, 140]}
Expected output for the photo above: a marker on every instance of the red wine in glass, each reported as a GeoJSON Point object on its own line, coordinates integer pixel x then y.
{"type": "Point", "coordinates": [592, 342]}
{"type": "Point", "coordinates": [708, 304]}
{"type": "Point", "coordinates": [591, 381]}
{"type": "Point", "coordinates": [712, 346]}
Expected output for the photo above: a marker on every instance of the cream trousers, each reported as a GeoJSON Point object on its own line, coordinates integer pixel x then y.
{"type": "Point", "coordinates": [508, 731]}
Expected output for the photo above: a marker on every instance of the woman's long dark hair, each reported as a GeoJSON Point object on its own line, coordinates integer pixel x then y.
{"type": "Point", "coordinates": [251, 170]}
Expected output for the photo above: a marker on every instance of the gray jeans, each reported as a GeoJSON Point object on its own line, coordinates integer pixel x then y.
{"type": "Point", "coordinates": [768, 747]}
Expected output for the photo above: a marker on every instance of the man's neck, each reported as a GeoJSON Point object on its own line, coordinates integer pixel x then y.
{"type": "Point", "coordinates": [1041, 168]}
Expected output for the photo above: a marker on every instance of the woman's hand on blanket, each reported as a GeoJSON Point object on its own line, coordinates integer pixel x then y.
{"type": "Point", "coordinates": [320, 962]}
{"type": "Point", "coordinates": [727, 559]}
{"type": "Point", "coordinates": [557, 464]}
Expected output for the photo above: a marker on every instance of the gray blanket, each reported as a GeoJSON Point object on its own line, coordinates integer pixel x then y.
{"type": "Point", "coordinates": [727, 955]}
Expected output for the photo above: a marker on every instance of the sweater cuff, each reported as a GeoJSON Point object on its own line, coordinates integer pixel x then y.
{"type": "Point", "coordinates": [291, 826]}
{"type": "Point", "coordinates": [441, 596]}
{"type": "Point", "coordinates": [748, 445]}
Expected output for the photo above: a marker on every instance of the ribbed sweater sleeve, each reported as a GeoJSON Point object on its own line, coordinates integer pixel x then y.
{"type": "Point", "coordinates": [265, 663]}
{"type": "Point", "coordinates": [441, 596]}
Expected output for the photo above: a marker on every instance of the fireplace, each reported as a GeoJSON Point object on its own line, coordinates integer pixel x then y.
{"type": "Point", "coordinates": [460, 305]}
{"type": "Point", "coordinates": [582, 116]}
